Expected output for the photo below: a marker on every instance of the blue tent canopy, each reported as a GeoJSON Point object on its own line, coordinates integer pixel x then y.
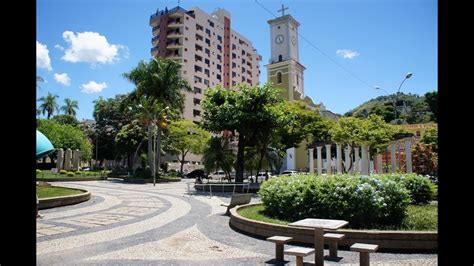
{"type": "Point", "coordinates": [43, 145]}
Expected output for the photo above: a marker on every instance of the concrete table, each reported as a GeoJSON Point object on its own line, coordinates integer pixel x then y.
{"type": "Point", "coordinates": [319, 225]}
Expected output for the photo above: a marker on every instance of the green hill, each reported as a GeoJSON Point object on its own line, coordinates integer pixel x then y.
{"type": "Point", "coordinates": [404, 109]}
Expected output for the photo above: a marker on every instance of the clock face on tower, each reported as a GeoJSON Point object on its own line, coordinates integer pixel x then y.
{"type": "Point", "coordinates": [279, 39]}
{"type": "Point", "coordinates": [293, 40]}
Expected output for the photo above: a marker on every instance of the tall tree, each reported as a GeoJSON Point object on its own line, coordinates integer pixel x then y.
{"type": "Point", "coordinates": [70, 107]}
{"type": "Point", "coordinates": [185, 137]}
{"type": "Point", "coordinates": [218, 155]}
{"type": "Point", "coordinates": [49, 104]}
{"type": "Point", "coordinates": [159, 79]}
{"type": "Point", "coordinates": [431, 98]}
{"type": "Point", "coordinates": [242, 110]}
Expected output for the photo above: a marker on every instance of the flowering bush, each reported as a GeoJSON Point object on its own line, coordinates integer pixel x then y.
{"type": "Point", "coordinates": [421, 189]}
{"type": "Point", "coordinates": [361, 200]}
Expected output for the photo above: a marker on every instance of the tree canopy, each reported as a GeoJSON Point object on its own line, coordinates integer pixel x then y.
{"type": "Point", "coordinates": [66, 136]}
{"type": "Point", "coordinates": [243, 111]}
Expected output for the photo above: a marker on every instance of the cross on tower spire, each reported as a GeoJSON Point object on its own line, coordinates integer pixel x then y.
{"type": "Point", "coordinates": [282, 10]}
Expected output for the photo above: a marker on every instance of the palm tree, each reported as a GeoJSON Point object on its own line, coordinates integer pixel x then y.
{"type": "Point", "coordinates": [218, 155]}
{"type": "Point", "coordinates": [49, 104]}
{"type": "Point", "coordinates": [39, 79]}
{"type": "Point", "coordinates": [152, 113]}
{"type": "Point", "coordinates": [160, 80]}
{"type": "Point", "coordinates": [70, 107]}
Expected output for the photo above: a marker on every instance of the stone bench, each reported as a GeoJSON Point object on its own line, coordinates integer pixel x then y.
{"type": "Point", "coordinates": [237, 200]}
{"type": "Point", "coordinates": [299, 252]}
{"type": "Point", "coordinates": [332, 239]}
{"type": "Point", "coordinates": [364, 251]}
{"type": "Point", "coordinates": [279, 243]}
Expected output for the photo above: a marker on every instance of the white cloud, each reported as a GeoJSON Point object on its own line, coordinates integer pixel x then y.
{"type": "Point", "coordinates": [59, 47]}
{"type": "Point", "coordinates": [62, 79]}
{"type": "Point", "coordinates": [89, 47]}
{"type": "Point", "coordinates": [347, 54]}
{"type": "Point", "coordinates": [93, 87]}
{"type": "Point", "coordinates": [42, 56]}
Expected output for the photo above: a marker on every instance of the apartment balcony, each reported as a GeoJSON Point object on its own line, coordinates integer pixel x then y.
{"type": "Point", "coordinates": [155, 40]}
{"type": "Point", "coordinates": [156, 30]}
{"type": "Point", "coordinates": [174, 45]}
{"type": "Point", "coordinates": [174, 24]}
{"type": "Point", "coordinates": [174, 35]}
{"type": "Point", "coordinates": [176, 14]}
{"type": "Point", "coordinates": [154, 51]}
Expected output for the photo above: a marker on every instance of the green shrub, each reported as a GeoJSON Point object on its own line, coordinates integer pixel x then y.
{"type": "Point", "coordinates": [421, 189]}
{"type": "Point", "coordinates": [361, 200]}
{"type": "Point", "coordinates": [70, 173]}
{"type": "Point", "coordinates": [143, 173]}
{"type": "Point", "coordinates": [77, 172]}
{"type": "Point", "coordinates": [63, 172]}
{"type": "Point", "coordinates": [38, 171]}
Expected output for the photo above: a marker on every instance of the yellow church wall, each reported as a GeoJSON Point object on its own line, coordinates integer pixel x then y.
{"type": "Point", "coordinates": [285, 81]}
{"type": "Point", "coordinates": [301, 154]}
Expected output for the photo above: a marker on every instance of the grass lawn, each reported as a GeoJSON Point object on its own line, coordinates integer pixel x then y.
{"type": "Point", "coordinates": [48, 192]}
{"type": "Point", "coordinates": [420, 218]}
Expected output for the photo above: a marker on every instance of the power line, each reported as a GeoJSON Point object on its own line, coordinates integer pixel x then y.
{"type": "Point", "coordinates": [319, 50]}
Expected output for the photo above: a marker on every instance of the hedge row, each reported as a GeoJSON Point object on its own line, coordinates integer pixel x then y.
{"type": "Point", "coordinates": [362, 200]}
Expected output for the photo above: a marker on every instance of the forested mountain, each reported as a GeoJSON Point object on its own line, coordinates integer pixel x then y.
{"type": "Point", "coordinates": [401, 109]}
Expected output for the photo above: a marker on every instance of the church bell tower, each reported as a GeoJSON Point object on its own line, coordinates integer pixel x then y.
{"type": "Point", "coordinates": [284, 69]}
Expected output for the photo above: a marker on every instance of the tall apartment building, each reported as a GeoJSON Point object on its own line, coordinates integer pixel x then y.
{"type": "Point", "coordinates": [211, 53]}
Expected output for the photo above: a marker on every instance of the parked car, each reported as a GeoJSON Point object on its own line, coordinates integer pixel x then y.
{"type": "Point", "coordinates": [198, 174]}
{"type": "Point", "coordinates": [261, 176]}
{"type": "Point", "coordinates": [289, 172]}
{"type": "Point", "coordinates": [218, 175]}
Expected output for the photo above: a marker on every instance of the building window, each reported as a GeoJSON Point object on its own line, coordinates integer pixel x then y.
{"type": "Point", "coordinates": [197, 58]}
{"type": "Point", "coordinates": [219, 67]}
{"type": "Point", "coordinates": [199, 27]}
{"type": "Point", "coordinates": [199, 37]}
{"type": "Point", "coordinates": [233, 65]}
{"type": "Point", "coordinates": [208, 42]}
{"type": "Point", "coordinates": [279, 77]}
{"type": "Point", "coordinates": [418, 133]}
{"type": "Point", "coordinates": [280, 58]}
{"type": "Point", "coordinates": [208, 32]}
{"type": "Point", "coordinates": [219, 38]}
{"type": "Point", "coordinates": [218, 76]}
{"type": "Point", "coordinates": [206, 82]}
{"type": "Point", "coordinates": [219, 57]}
{"type": "Point", "coordinates": [234, 56]}
{"type": "Point", "coordinates": [206, 71]}
{"type": "Point", "coordinates": [198, 47]}
{"type": "Point", "coordinates": [197, 68]}
{"type": "Point", "coordinates": [196, 101]}
{"type": "Point", "coordinates": [197, 79]}
{"type": "Point", "coordinates": [208, 52]}
{"type": "Point", "coordinates": [196, 113]}
{"type": "Point", "coordinates": [211, 23]}
{"type": "Point", "coordinates": [206, 61]}
{"type": "Point", "coordinates": [197, 90]}
{"type": "Point", "coordinates": [234, 74]}
{"type": "Point", "coordinates": [297, 79]}
{"type": "Point", "coordinates": [234, 47]}
{"type": "Point", "coordinates": [219, 47]}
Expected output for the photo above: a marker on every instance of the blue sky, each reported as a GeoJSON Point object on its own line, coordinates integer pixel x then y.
{"type": "Point", "coordinates": [84, 46]}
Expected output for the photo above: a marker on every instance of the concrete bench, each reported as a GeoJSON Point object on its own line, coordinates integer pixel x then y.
{"type": "Point", "coordinates": [332, 239]}
{"type": "Point", "coordinates": [279, 243]}
{"type": "Point", "coordinates": [299, 252]}
{"type": "Point", "coordinates": [364, 250]}
{"type": "Point", "coordinates": [237, 200]}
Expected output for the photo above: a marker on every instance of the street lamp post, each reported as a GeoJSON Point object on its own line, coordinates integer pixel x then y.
{"type": "Point", "coordinates": [408, 75]}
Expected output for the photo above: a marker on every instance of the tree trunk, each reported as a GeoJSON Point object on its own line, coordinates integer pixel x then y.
{"type": "Point", "coordinates": [158, 150]}
{"type": "Point", "coordinates": [135, 157]}
{"type": "Point", "coordinates": [181, 161]}
{"type": "Point", "coordinates": [239, 165]}
{"type": "Point", "coordinates": [150, 149]}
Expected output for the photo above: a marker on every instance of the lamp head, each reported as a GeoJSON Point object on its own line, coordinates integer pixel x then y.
{"type": "Point", "coordinates": [409, 75]}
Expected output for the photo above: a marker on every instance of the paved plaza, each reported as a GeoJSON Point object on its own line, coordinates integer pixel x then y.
{"type": "Point", "coordinates": [139, 224]}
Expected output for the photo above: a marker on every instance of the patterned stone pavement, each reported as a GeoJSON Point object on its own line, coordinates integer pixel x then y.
{"type": "Point", "coordinates": [131, 224]}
